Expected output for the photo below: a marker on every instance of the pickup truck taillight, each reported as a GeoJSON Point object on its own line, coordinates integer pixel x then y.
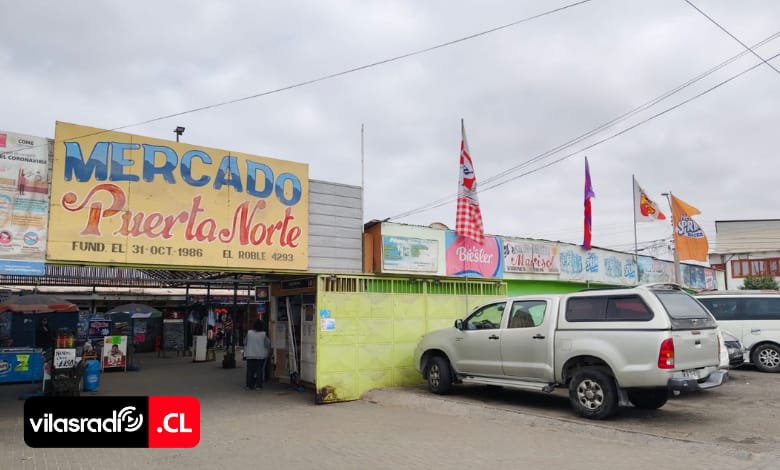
{"type": "Point", "coordinates": [666, 354]}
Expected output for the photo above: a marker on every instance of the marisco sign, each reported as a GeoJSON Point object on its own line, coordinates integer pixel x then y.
{"type": "Point", "coordinates": [124, 199]}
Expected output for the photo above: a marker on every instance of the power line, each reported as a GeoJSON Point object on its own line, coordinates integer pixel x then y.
{"type": "Point", "coordinates": [733, 237]}
{"type": "Point", "coordinates": [338, 74]}
{"type": "Point", "coordinates": [450, 198]}
{"type": "Point", "coordinates": [732, 36]}
{"type": "Point", "coordinates": [645, 245]}
{"type": "Point", "coordinates": [639, 108]}
{"type": "Point", "coordinates": [618, 228]}
{"type": "Point", "coordinates": [628, 129]}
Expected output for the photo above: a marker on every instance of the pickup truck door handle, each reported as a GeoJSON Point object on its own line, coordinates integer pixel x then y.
{"type": "Point", "coordinates": [538, 336]}
{"type": "Point", "coordinates": [492, 337]}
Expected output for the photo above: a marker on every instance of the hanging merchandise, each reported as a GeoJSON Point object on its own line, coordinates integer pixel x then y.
{"type": "Point", "coordinates": [261, 310]}
{"type": "Point", "coordinates": [212, 317]}
{"type": "Point", "coordinates": [197, 312]}
{"type": "Point", "coordinates": [228, 328]}
{"type": "Point", "coordinates": [139, 331]}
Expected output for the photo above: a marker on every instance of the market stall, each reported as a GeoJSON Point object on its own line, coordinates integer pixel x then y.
{"type": "Point", "coordinates": [67, 366]}
{"type": "Point", "coordinates": [21, 365]}
{"type": "Point", "coordinates": [34, 325]}
{"type": "Point", "coordinates": [140, 322]}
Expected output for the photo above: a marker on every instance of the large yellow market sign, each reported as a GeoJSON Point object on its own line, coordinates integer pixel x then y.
{"type": "Point", "coordinates": [124, 199]}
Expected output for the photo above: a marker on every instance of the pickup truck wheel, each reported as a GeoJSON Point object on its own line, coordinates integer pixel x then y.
{"type": "Point", "coordinates": [439, 375]}
{"type": "Point", "coordinates": [648, 399]}
{"type": "Point", "coordinates": [766, 358]}
{"type": "Point", "coordinates": [593, 394]}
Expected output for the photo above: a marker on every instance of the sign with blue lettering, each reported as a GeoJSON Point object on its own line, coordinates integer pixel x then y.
{"type": "Point", "coordinates": [599, 266]}
{"type": "Point", "coordinates": [123, 199]}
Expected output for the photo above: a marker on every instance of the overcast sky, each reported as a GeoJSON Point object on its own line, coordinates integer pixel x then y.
{"type": "Point", "coordinates": [522, 90]}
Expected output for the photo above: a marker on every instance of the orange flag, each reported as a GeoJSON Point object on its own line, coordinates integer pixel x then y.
{"type": "Point", "coordinates": [689, 238]}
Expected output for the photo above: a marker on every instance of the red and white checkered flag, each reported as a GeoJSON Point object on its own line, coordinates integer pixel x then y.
{"type": "Point", "coordinates": [468, 217]}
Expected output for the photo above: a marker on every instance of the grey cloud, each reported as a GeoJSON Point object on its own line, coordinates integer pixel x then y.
{"type": "Point", "coordinates": [521, 91]}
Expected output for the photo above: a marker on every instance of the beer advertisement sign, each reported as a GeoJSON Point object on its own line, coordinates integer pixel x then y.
{"type": "Point", "coordinates": [124, 199]}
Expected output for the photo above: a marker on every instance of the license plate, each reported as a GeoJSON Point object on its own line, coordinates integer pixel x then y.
{"type": "Point", "coordinates": [693, 373]}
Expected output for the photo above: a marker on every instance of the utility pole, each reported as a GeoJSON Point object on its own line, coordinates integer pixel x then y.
{"type": "Point", "coordinates": [677, 279]}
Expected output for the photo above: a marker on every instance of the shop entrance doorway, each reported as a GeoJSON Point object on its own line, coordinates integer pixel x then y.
{"type": "Point", "coordinates": [299, 323]}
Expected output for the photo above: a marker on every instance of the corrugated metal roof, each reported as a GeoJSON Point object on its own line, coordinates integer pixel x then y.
{"type": "Point", "coordinates": [107, 276]}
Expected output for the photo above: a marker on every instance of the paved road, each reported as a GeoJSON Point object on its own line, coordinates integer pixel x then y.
{"type": "Point", "coordinates": [282, 428]}
{"type": "Point", "coordinates": [741, 415]}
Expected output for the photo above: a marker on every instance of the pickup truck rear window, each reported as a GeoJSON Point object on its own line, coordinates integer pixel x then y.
{"type": "Point", "coordinates": [607, 308]}
{"type": "Point", "coordinates": [681, 305]}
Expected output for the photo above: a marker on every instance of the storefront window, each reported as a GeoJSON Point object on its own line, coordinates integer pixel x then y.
{"type": "Point", "coordinates": [758, 268]}
{"type": "Point", "coordinates": [774, 267]}
{"type": "Point", "coordinates": [736, 268]}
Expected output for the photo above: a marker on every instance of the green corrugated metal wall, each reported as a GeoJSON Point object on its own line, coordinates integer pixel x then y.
{"type": "Point", "coordinates": [378, 322]}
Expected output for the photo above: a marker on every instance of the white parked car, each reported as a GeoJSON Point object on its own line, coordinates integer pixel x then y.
{"type": "Point", "coordinates": [732, 354]}
{"type": "Point", "coordinates": [754, 318]}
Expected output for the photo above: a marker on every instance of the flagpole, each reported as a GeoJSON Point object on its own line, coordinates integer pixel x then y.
{"type": "Point", "coordinates": [633, 192]}
{"type": "Point", "coordinates": [362, 175]}
{"type": "Point", "coordinates": [674, 237]}
{"type": "Point", "coordinates": [362, 194]}
{"type": "Point", "coordinates": [462, 134]}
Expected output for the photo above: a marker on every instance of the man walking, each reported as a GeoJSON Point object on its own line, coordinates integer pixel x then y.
{"type": "Point", "coordinates": [257, 347]}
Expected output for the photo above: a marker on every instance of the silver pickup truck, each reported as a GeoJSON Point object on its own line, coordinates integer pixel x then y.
{"type": "Point", "coordinates": [610, 347]}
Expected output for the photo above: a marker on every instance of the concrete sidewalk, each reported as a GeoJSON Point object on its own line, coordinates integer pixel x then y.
{"type": "Point", "coordinates": [281, 427]}
{"type": "Point", "coordinates": [170, 375]}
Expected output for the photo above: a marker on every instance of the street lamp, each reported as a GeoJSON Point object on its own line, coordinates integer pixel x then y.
{"type": "Point", "coordinates": [178, 131]}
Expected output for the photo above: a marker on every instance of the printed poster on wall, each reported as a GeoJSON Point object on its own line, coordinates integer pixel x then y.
{"type": "Point", "coordinates": [599, 266]}
{"type": "Point", "coordinates": [409, 254]}
{"type": "Point", "coordinates": [530, 257]}
{"type": "Point", "coordinates": [652, 270]}
{"type": "Point", "coordinates": [124, 199]}
{"type": "Point", "coordinates": [698, 277]}
{"type": "Point", "coordinates": [115, 352]}
{"type": "Point", "coordinates": [710, 279]}
{"type": "Point", "coordinates": [467, 258]}
{"type": "Point", "coordinates": [24, 203]}
{"type": "Point", "coordinates": [99, 328]}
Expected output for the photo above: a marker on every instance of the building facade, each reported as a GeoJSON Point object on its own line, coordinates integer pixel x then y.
{"type": "Point", "coordinates": [746, 248]}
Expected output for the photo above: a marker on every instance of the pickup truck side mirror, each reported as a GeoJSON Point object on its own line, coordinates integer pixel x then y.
{"type": "Point", "coordinates": [459, 324]}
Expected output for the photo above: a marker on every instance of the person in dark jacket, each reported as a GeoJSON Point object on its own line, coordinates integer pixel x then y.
{"type": "Point", "coordinates": [44, 338]}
